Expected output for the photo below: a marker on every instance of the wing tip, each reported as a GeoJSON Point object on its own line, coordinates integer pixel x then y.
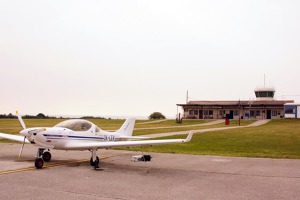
{"type": "Point", "coordinates": [189, 137]}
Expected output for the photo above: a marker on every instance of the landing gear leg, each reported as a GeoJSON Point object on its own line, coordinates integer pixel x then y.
{"type": "Point", "coordinates": [94, 160]}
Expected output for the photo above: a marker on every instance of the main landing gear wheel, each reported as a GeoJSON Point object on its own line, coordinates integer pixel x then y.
{"type": "Point", "coordinates": [39, 163]}
{"type": "Point", "coordinates": [46, 156]}
{"type": "Point", "coordinates": [96, 163]}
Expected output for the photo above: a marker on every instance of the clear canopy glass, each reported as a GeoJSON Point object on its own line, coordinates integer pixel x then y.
{"type": "Point", "coordinates": [75, 124]}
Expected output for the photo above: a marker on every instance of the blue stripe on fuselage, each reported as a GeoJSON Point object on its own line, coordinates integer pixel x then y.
{"type": "Point", "coordinates": [49, 136]}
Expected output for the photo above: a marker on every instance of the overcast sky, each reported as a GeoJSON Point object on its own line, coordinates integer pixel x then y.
{"type": "Point", "coordinates": [136, 57]}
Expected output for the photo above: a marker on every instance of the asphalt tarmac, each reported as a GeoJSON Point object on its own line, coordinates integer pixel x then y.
{"type": "Point", "coordinates": [167, 176]}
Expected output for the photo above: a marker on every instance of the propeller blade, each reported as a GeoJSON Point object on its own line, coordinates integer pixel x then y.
{"type": "Point", "coordinates": [21, 150]}
{"type": "Point", "coordinates": [24, 127]}
{"type": "Point", "coordinates": [21, 120]}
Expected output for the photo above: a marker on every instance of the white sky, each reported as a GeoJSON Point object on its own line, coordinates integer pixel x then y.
{"type": "Point", "coordinates": [137, 57]}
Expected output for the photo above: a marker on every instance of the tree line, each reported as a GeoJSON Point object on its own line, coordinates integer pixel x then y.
{"type": "Point", "coordinates": [42, 116]}
{"type": "Point", "coordinates": [38, 116]}
{"type": "Point", "coordinates": [155, 115]}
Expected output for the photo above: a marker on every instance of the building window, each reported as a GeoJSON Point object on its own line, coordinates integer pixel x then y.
{"type": "Point", "coordinates": [252, 113]}
{"type": "Point", "coordinates": [236, 112]}
{"type": "Point", "coordinates": [290, 110]}
{"type": "Point", "coordinates": [195, 112]}
{"type": "Point", "coordinates": [208, 114]}
{"type": "Point", "coordinates": [191, 112]}
{"type": "Point", "coordinates": [205, 112]}
{"type": "Point", "coordinates": [220, 112]}
{"type": "Point", "coordinates": [258, 113]}
{"type": "Point", "coordinates": [274, 112]}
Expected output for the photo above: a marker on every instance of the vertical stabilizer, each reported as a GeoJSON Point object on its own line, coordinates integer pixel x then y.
{"type": "Point", "coordinates": [127, 127]}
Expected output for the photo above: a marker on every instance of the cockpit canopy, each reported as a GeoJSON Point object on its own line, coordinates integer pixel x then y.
{"type": "Point", "coordinates": [75, 124]}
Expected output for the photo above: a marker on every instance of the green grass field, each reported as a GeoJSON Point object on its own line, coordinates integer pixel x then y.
{"type": "Point", "coordinates": [277, 139]}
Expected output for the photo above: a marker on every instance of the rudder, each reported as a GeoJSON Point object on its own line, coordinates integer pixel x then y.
{"type": "Point", "coordinates": [127, 127]}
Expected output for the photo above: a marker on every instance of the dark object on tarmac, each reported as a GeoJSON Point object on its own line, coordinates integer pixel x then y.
{"type": "Point", "coordinates": [139, 158]}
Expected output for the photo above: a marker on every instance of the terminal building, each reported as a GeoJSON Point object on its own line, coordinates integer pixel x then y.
{"type": "Point", "coordinates": [263, 107]}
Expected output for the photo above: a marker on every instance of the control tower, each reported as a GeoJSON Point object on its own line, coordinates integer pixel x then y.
{"type": "Point", "coordinates": [264, 94]}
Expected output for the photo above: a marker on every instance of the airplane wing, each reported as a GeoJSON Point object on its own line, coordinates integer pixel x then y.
{"type": "Point", "coordinates": [17, 138]}
{"type": "Point", "coordinates": [132, 137]}
{"type": "Point", "coordinates": [77, 145]}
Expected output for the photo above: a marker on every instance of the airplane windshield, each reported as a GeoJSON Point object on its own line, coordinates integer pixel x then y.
{"type": "Point", "coordinates": [75, 124]}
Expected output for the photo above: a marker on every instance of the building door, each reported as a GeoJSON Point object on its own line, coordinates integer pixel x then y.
{"type": "Point", "coordinates": [200, 114]}
{"type": "Point", "coordinates": [269, 114]}
{"type": "Point", "coordinates": [231, 114]}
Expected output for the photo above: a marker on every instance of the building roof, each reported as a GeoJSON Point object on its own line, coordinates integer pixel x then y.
{"type": "Point", "coordinates": [292, 104]}
{"type": "Point", "coordinates": [236, 103]}
{"type": "Point", "coordinates": [258, 89]}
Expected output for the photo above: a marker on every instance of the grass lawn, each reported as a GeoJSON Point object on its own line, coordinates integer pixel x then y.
{"type": "Point", "coordinates": [277, 139]}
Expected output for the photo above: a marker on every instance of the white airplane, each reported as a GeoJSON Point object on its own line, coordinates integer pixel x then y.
{"type": "Point", "coordinates": [79, 134]}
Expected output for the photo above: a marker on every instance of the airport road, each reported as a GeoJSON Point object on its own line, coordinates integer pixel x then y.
{"type": "Point", "coordinates": [167, 176]}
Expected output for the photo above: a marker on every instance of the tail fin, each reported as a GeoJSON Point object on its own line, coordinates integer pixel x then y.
{"type": "Point", "coordinates": [127, 128]}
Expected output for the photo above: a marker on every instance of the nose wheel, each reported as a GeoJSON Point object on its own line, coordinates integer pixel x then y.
{"type": "Point", "coordinates": [38, 163]}
{"type": "Point", "coordinates": [41, 156]}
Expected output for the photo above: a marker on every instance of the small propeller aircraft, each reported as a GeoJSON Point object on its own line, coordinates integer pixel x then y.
{"type": "Point", "coordinates": [79, 134]}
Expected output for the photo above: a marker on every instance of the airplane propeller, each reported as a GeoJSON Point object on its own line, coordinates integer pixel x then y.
{"type": "Point", "coordinates": [27, 132]}
{"type": "Point", "coordinates": [24, 127]}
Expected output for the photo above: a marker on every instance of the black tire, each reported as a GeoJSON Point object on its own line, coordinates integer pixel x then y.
{"type": "Point", "coordinates": [96, 164]}
{"type": "Point", "coordinates": [46, 156]}
{"type": "Point", "coordinates": [93, 163]}
{"type": "Point", "coordinates": [38, 163]}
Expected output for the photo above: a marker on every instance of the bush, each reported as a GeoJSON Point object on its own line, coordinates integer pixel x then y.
{"type": "Point", "coordinates": [157, 115]}
{"type": "Point", "coordinates": [41, 116]}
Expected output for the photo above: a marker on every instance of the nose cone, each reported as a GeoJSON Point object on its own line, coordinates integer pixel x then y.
{"type": "Point", "coordinates": [25, 133]}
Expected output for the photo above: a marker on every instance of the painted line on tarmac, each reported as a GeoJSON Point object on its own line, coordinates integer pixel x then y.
{"type": "Point", "coordinates": [49, 165]}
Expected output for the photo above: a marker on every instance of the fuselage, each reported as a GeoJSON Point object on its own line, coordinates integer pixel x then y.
{"type": "Point", "coordinates": [59, 136]}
